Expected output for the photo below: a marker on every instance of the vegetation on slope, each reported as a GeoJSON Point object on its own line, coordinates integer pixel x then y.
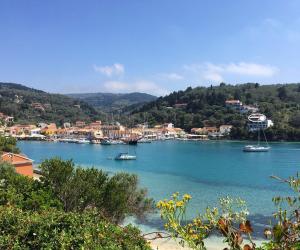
{"type": "Point", "coordinates": [69, 208]}
{"type": "Point", "coordinates": [110, 102]}
{"type": "Point", "coordinates": [205, 106]}
{"type": "Point", "coordinates": [18, 101]}
{"type": "Point", "coordinates": [8, 144]}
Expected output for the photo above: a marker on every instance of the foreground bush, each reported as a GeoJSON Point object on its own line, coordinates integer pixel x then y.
{"type": "Point", "coordinates": [115, 197]}
{"type": "Point", "coordinates": [70, 208]}
{"type": "Point", "coordinates": [59, 230]}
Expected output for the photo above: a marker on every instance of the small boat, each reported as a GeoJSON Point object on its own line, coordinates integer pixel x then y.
{"type": "Point", "coordinates": [108, 142]}
{"type": "Point", "coordinates": [144, 140]}
{"type": "Point", "coordinates": [125, 156]}
{"type": "Point", "coordinates": [83, 141]}
{"type": "Point", "coordinates": [95, 141]}
{"type": "Point", "coordinates": [255, 148]}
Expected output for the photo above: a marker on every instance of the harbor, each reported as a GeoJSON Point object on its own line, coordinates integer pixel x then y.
{"type": "Point", "coordinates": [207, 170]}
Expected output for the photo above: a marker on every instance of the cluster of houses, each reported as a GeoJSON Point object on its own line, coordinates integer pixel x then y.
{"type": "Point", "coordinates": [96, 131]}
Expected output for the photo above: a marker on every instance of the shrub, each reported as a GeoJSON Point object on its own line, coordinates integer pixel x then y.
{"type": "Point", "coordinates": [55, 229]}
{"type": "Point", "coordinates": [79, 189]}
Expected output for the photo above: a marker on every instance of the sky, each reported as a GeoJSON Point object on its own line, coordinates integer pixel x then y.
{"type": "Point", "coordinates": [151, 46]}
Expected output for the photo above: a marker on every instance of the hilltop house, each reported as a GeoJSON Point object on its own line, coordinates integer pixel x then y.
{"type": "Point", "coordinates": [234, 104]}
{"type": "Point", "coordinates": [238, 105]}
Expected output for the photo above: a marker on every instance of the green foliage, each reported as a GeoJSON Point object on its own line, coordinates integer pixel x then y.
{"type": "Point", "coordinates": [53, 229]}
{"type": "Point", "coordinates": [79, 189]}
{"type": "Point", "coordinates": [109, 102]}
{"type": "Point", "coordinates": [69, 208]}
{"type": "Point", "coordinates": [206, 107]}
{"type": "Point", "coordinates": [8, 144]}
{"type": "Point", "coordinates": [16, 100]}
{"type": "Point", "coordinates": [23, 192]}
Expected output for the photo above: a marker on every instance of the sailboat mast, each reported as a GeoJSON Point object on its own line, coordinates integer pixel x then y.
{"type": "Point", "coordinates": [258, 136]}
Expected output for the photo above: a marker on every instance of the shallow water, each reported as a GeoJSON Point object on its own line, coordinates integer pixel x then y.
{"type": "Point", "coordinates": [206, 170]}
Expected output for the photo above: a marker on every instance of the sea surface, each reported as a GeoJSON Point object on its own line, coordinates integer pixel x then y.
{"type": "Point", "coordinates": [206, 170]}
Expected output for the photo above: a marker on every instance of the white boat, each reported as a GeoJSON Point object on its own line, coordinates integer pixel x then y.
{"type": "Point", "coordinates": [255, 148]}
{"type": "Point", "coordinates": [108, 142]}
{"type": "Point", "coordinates": [83, 141]}
{"type": "Point", "coordinates": [144, 140]}
{"type": "Point", "coordinates": [95, 141]}
{"type": "Point", "coordinates": [125, 156]}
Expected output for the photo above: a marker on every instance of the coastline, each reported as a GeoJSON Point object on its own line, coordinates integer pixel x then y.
{"type": "Point", "coordinates": [187, 140]}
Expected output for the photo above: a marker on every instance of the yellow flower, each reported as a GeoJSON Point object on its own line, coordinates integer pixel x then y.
{"type": "Point", "coordinates": [187, 197]}
{"type": "Point", "coordinates": [174, 225]}
{"type": "Point", "coordinates": [160, 204]}
{"type": "Point", "coordinates": [175, 195]}
{"type": "Point", "coordinates": [179, 204]}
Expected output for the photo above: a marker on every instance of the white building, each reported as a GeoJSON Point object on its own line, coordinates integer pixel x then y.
{"type": "Point", "coordinates": [168, 125]}
{"type": "Point", "coordinates": [258, 122]}
{"type": "Point", "coordinates": [225, 129]}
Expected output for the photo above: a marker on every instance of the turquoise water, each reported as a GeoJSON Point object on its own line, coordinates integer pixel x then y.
{"type": "Point", "coordinates": [206, 170]}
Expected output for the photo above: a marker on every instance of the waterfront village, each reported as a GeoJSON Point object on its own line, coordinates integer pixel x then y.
{"type": "Point", "coordinates": [99, 133]}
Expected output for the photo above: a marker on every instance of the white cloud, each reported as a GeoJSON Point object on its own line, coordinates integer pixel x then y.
{"type": "Point", "coordinates": [213, 76]}
{"type": "Point", "coordinates": [115, 86]}
{"type": "Point", "coordinates": [137, 86]}
{"type": "Point", "coordinates": [250, 69]}
{"type": "Point", "coordinates": [114, 70]}
{"type": "Point", "coordinates": [217, 72]}
{"type": "Point", "coordinates": [172, 76]}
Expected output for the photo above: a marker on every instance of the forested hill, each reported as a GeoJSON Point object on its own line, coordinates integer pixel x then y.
{"type": "Point", "coordinates": [205, 106]}
{"type": "Point", "coordinates": [110, 102]}
{"type": "Point", "coordinates": [32, 105]}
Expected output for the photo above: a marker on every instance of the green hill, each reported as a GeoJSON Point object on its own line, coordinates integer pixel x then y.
{"type": "Point", "coordinates": [205, 106]}
{"type": "Point", "coordinates": [31, 105]}
{"type": "Point", "coordinates": [110, 102]}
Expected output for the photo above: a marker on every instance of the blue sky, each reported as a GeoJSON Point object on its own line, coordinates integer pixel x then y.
{"type": "Point", "coordinates": [153, 46]}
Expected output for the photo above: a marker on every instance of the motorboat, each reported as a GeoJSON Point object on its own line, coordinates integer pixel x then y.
{"type": "Point", "coordinates": [108, 142]}
{"type": "Point", "coordinates": [83, 141]}
{"type": "Point", "coordinates": [95, 141]}
{"type": "Point", "coordinates": [125, 156]}
{"type": "Point", "coordinates": [255, 148]}
{"type": "Point", "coordinates": [144, 140]}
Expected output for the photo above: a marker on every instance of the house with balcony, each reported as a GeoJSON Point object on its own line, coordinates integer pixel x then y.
{"type": "Point", "coordinates": [259, 122]}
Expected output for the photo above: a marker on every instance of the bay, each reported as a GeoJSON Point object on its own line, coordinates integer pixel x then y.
{"type": "Point", "coordinates": [206, 170]}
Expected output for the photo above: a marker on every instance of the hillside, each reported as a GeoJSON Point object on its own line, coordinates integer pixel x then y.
{"type": "Point", "coordinates": [31, 105]}
{"type": "Point", "coordinates": [110, 102]}
{"type": "Point", "coordinates": [201, 106]}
